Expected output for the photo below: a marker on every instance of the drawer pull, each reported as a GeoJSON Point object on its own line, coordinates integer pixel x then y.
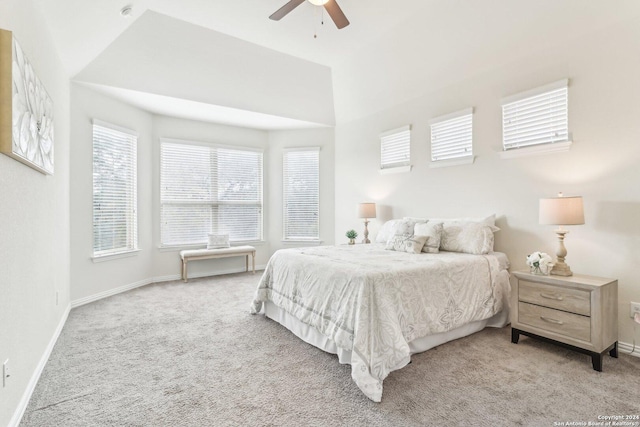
{"type": "Point", "coordinates": [554, 321]}
{"type": "Point", "coordinates": [553, 297]}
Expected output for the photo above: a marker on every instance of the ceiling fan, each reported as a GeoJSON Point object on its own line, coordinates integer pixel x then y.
{"type": "Point", "coordinates": [330, 6]}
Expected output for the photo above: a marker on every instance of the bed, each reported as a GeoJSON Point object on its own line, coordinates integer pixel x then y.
{"type": "Point", "coordinates": [374, 308]}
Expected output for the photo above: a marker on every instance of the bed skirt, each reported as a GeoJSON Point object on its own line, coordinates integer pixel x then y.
{"type": "Point", "coordinates": [311, 336]}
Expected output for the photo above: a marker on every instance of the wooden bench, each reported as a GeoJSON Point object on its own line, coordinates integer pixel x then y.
{"type": "Point", "coordinates": [198, 254]}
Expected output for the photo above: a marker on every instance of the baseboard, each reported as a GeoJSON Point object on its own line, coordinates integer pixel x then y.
{"type": "Point", "coordinates": [110, 292]}
{"type": "Point", "coordinates": [197, 276]}
{"type": "Point", "coordinates": [26, 396]}
{"type": "Point", "coordinates": [159, 279]}
{"type": "Point", "coordinates": [627, 348]}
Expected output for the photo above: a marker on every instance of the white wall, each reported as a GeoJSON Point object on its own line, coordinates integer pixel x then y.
{"type": "Point", "coordinates": [88, 277]}
{"type": "Point", "coordinates": [34, 212]}
{"type": "Point", "coordinates": [602, 164]}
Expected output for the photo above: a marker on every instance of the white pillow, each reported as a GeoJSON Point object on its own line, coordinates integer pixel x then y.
{"type": "Point", "coordinates": [490, 221]}
{"type": "Point", "coordinates": [393, 227]}
{"type": "Point", "coordinates": [467, 237]}
{"type": "Point", "coordinates": [433, 230]}
{"type": "Point", "coordinates": [415, 219]}
{"type": "Point", "coordinates": [406, 243]}
{"type": "Point", "coordinates": [386, 231]}
{"type": "Point", "coordinates": [217, 241]}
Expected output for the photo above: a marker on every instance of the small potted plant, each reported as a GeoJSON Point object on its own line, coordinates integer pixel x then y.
{"type": "Point", "coordinates": [351, 235]}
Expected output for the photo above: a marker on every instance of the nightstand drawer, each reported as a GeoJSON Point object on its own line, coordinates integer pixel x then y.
{"type": "Point", "coordinates": [560, 322]}
{"type": "Point", "coordinates": [565, 299]}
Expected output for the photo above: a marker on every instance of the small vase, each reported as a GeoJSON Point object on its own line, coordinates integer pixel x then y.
{"type": "Point", "coordinates": [539, 271]}
{"type": "Point", "coordinates": [352, 241]}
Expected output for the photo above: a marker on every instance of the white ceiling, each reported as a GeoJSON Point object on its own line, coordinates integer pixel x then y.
{"type": "Point", "coordinates": [391, 52]}
{"type": "Point", "coordinates": [82, 30]}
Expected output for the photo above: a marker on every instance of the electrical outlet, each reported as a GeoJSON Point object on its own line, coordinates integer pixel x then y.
{"type": "Point", "coordinates": [635, 308]}
{"type": "Point", "coordinates": [5, 373]}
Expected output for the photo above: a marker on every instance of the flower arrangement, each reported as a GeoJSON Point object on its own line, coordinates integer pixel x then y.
{"type": "Point", "coordinates": [540, 263]}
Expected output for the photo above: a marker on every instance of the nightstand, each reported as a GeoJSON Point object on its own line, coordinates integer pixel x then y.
{"type": "Point", "coordinates": [577, 312]}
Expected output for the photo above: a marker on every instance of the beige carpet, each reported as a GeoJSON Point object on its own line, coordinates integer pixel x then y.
{"type": "Point", "coordinates": [176, 354]}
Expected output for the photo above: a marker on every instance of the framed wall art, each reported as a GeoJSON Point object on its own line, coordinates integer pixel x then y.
{"type": "Point", "coordinates": [26, 109]}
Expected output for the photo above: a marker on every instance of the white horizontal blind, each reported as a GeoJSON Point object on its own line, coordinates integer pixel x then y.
{"type": "Point", "coordinates": [395, 148]}
{"type": "Point", "coordinates": [301, 188]}
{"type": "Point", "coordinates": [209, 189]}
{"type": "Point", "coordinates": [114, 190]}
{"type": "Point", "coordinates": [536, 117]}
{"type": "Point", "coordinates": [452, 136]}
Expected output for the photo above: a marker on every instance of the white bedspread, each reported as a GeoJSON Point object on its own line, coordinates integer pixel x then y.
{"type": "Point", "coordinates": [373, 302]}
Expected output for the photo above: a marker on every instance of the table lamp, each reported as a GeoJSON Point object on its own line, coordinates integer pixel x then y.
{"type": "Point", "coordinates": [366, 211]}
{"type": "Point", "coordinates": [561, 211]}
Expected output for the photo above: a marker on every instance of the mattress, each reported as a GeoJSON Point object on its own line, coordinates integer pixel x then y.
{"type": "Point", "coordinates": [374, 308]}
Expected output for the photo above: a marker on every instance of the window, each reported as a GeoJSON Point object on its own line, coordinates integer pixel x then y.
{"type": "Point", "coordinates": [114, 190]}
{"type": "Point", "coordinates": [395, 149]}
{"type": "Point", "coordinates": [536, 117]}
{"type": "Point", "coordinates": [301, 191]}
{"type": "Point", "coordinates": [452, 137]}
{"type": "Point", "coordinates": [209, 189]}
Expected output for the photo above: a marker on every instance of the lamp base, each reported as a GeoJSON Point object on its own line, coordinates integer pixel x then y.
{"type": "Point", "coordinates": [561, 269]}
{"type": "Point", "coordinates": [366, 232]}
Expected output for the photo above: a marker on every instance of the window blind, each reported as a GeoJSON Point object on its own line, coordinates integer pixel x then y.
{"type": "Point", "coordinates": [452, 136]}
{"type": "Point", "coordinates": [301, 191]}
{"type": "Point", "coordinates": [209, 189]}
{"type": "Point", "coordinates": [539, 116]}
{"type": "Point", "coordinates": [114, 190]}
{"type": "Point", "coordinates": [395, 148]}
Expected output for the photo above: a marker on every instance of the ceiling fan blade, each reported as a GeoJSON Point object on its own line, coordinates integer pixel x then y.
{"type": "Point", "coordinates": [336, 14]}
{"type": "Point", "coordinates": [284, 10]}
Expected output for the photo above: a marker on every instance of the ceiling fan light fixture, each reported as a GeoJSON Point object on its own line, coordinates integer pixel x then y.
{"type": "Point", "coordinates": [331, 6]}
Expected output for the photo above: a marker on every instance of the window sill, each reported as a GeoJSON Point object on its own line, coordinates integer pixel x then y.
{"type": "Point", "coordinates": [109, 257]}
{"type": "Point", "coordinates": [398, 169]}
{"type": "Point", "coordinates": [176, 248]}
{"type": "Point", "coordinates": [536, 150]}
{"type": "Point", "coordinates": [468, 160]}
{"type": "Point", "coordinates": [303, 242]}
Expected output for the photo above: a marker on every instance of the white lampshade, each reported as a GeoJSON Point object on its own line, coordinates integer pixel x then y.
{"type": "Point", "coordinates": [562, 210]}
{"type": "Point", "coordinates": [318, 2]}
{"type": "Point", "coordinates": [367, 210]}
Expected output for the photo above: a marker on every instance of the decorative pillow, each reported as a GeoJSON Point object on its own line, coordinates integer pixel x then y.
{"type": "Point", "coordinates": [406, 243]}
{"type": "Point", "coordinates": [386, 231]}
{"type": "Point", "coordinates": [217, 241]}
{"type": "Point", "coordinates": [404, 226]}
{"type": "Point", "coordinates": [467, 237]}
{"type": "Point", "coordinates": [433, 230]}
